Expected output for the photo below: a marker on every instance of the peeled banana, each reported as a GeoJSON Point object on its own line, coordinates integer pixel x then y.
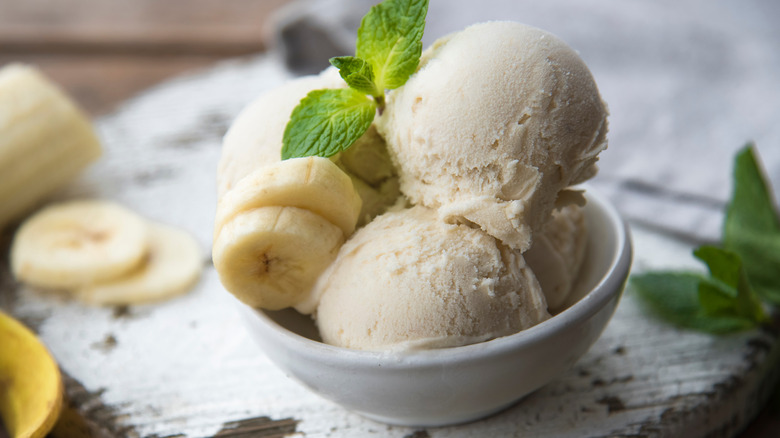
{"type": "Point", "coordinates": [31, 391]}
{"type": "Point", "coordinates": [45, 140]}
{"type": "Point", "coordinates": [280, 227]}
{"type": "Point", "coordinates": [171, 266]}
{"type": "Point", "coordinates": [77, 243]}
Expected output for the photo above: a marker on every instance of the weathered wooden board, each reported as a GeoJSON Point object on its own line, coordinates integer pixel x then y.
{"type": "Point", "coordinates": [187, 367]}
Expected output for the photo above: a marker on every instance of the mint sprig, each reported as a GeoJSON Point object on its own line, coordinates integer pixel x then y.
{"type": "Point", "coordinates": [389, 46]}
{"type": "Point", "coordinates": [752, 226]}
{"type": "Point", "coordinates": [741, 274]}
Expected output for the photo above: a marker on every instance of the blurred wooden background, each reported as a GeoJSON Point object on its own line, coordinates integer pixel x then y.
{"type": "Point", "coordinates": [104, 51]}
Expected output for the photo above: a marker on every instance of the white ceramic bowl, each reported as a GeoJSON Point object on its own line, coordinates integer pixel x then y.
{"type": "Point", "coordinates": [454, 385]}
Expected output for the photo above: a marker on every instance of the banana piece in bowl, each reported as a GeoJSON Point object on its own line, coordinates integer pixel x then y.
{"type": "Point", "coordinates": [312, 183]}
{"type": "Point", "coordinates": [279, 227]}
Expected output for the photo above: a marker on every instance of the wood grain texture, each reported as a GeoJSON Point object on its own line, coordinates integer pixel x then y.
{"type": "Point", "coordinates": [105, 51]}
{"type": "Point", "coordinates": [140, 26]}
{"type": "Point", "coordinates": [187, 367]}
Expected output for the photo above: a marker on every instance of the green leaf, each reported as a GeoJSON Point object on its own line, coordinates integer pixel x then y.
{"type": "Point", "coordinates": [761, 255]}
{"type": "Point", "coordinates": [752, 226]}
{"type": "Point", "coordinates": [717, 300]}
{"type": "Point", "coordinates": [390, 39]}
{"type": "Point", "coordinates": [751, 207]}
{"type": "Point", "coordinates": [357, 73]}
{"type": "Point", "coordinates": [327, 122]}
{"type": "Point", "coordinates": [748, 302]}
{"type": "Point", "coordinates": [730, 280]}
{"type": "Point", "coordinates": [723, 265]}
{"type": "Point", "coordinates": [674, 296]}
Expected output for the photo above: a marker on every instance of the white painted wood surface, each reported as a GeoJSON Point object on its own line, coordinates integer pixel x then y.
{"type": "Point", "coordinates": [187, 367]}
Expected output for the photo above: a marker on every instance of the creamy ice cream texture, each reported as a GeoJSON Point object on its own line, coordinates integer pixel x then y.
{"type": "Point", "coordinates": [558, 253]}
{"type": "Point", "coordinates": [408, 280]}
{"type": "Point", "coordinates": [497, 122]}
{"type": "Point", "coordinates": [484, 140]}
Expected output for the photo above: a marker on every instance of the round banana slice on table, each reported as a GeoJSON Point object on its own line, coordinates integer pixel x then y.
{"type": "Point", "coordinates": [171, 267]}
{"type": "Point", "coordinates": [79, 242]}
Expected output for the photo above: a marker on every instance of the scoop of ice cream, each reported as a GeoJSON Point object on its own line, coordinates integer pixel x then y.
{"type": "Point", "coordinates": [409, 280]}
{"type": "Point", "coordinates": [499, 119]}
{"type": "Point", "coordinates": [254, 140]}
{"type": "Point", "coordinates": [557, 254]}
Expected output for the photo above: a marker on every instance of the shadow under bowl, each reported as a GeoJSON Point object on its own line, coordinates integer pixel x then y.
{"type": "Point", "coordinates": [455, 385]}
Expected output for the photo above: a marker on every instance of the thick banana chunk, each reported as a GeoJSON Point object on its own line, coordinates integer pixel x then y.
{"type": "Point", "coordinates": [312, 183]}
{"type": "Point", "coordinates": [172, 265]}
{"type": "Point", "coordinates": [31, 395]}
{"type": "Point", "coordinates": [72, 244]}
{"type": "Point", "coordinates": [270, 257]}
{"type": "Point", "coordinates": [45, 140]}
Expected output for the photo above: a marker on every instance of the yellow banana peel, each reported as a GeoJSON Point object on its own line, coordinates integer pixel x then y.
{"type": "Point", "coordinates": [31, 389]}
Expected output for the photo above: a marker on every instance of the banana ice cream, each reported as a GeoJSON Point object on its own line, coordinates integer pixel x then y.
{"type": "Point", "coordinates": [407, 280]}
{"type": "Point", "coordinates": [558, 253]}
{"type": "Point", "coordinates": [279, 224]}
{"type": "Point", "coordinates": [460, 224]}
{"type": "Point", "coordinates": [497, 122]}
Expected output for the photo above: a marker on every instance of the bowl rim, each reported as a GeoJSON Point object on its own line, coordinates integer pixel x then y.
{"type": "Point", "coordinates": [609, 285]}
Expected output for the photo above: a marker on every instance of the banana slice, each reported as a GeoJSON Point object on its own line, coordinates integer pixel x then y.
{"type": "Point", "coordinates": [312, 183]}
{"type": "Point", "coordinates": [172, 265]}
{"type": "Point", "coordinates": [270, 257]}
{"type": "Point", "coordinates": [68, 245]}
{"type": "Point", "coordinates": [31, 390]}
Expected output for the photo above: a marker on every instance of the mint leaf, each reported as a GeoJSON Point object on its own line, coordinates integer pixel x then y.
{"type": "Point", "coordinates": [723, 265]}
{"type": "Point", "coordinates": [752, 227]}
{"type": "Point", "coordinates": [390, 39]}
{"type": "Point", "coordinates": [357, 73]}
{"type": "Point", "coordinates": [674, 297]}
{"type": "Point", "coordinates": [389, 46]}
{"type": "Point", "coordinates": [716, 299]}
{"type": "Point", "coordinates": [751, 207]}
{"type": "Point", "coordinates": [327, 122]}
{"type": "Point", "coordinates": [744, 271]}
{"type": "Point", "coordinates": [729, 278]}
{"type": "Point", "coordinates": [761, 254]}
